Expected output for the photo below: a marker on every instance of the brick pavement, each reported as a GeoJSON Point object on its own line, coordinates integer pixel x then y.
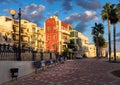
{"type": "Point", "coordinates": [74, 72]}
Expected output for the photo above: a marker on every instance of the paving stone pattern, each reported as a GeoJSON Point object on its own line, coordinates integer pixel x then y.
{"type": "Point", "coordinates": [74, 72]}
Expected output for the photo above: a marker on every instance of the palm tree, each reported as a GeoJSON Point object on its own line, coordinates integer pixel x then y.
{"type": "Point", "coordinates": [114, 20]}
{"type": "Point", "coordinates": [106, 16]}
{"type": "Point", "coordinates": [97, 30]}
{"type": "Point", "coordinates": [102, 44]}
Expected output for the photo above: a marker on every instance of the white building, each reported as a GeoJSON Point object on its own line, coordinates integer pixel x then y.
{"type": "Point", "coordinates": [84, 47]}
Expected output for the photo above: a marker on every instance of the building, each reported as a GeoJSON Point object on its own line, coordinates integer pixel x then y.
{"type": "Point", "coordinates": [40, 41]}
{"type": "Point", "coordinates": [85, 48]}
{"type": "Point", "coordinates": [82, 44]}
{"type": "Point", "coordinates": [74, 44]}
{"type": "Point", "coordinates": [6, 30]}
{"type": "Point", "coordinates": [57, 34]}
{"type": "Point", "coordinates": [91, 52]}
{"type": "Point", "coordinates": [31, 35]}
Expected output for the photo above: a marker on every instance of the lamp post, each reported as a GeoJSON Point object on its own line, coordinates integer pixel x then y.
{"type": "Point", "coordinates": [13, 13]}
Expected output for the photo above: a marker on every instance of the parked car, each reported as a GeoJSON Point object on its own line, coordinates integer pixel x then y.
{"type": "Point", "coordinates": [78, 57]}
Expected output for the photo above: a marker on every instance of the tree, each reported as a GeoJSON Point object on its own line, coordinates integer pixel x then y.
{"type": "Point", "coordinates": [114, 20]}
{"type": "Point", "coordinates": [102, 44]}
{"type": "Point", "coordinates": [115, 17]}
{"type": "Point", "coordinates": [106, 13]}
{"type": "Point", "coordinates": [97, 30]}
{"type": "Point", "coordinates": [65, 51]}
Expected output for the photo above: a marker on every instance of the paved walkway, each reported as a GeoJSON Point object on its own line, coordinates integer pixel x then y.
{"type": "Point", "coordinates": [74, 72]}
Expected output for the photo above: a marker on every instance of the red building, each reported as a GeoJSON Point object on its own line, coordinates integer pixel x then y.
{"type": "Point", "coordinates": [56, 34]}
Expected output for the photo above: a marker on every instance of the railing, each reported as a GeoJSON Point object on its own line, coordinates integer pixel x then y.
{"type": "Point", "coordinates": [8, 52]}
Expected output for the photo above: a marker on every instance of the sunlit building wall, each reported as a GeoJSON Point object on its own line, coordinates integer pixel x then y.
{"type": "Point", "coordinates": [40, 40]}
{"type": "Point", "coordinates": [91, 52]}
{"type": "Point", "coordinates": [35, 35]}
{"type": "Point", "coordinates": [10, 31]}
{"type": "Point", "coordinates": [57, 34]}
{"type": "Point", "coordinates": [31, 34]}
{"type": "Point", "coordinates": [85, 47]}
{"type": "Point", "coordinates": [82, 43]}
{"type": "Point", "coordinates": [6, 30]}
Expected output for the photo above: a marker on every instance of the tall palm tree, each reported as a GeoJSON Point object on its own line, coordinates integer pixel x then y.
{"type": "Point", "coordinates": [114, 20]}
{"type": "Point", "coordinates": [106, 16]}
{"type": "Point", "coordinates": [97, 30]}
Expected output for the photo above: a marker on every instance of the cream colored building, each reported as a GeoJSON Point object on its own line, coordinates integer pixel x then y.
{"type": "Point", "coordinates": [31, 34]}
{"type": "Point", "coordinates": [85, 47]}
{"type": "Point", "coordinates": [82, 43]}
{"type": "Point", "coordinates": [40, 41]}
{"type": "Point", "coordinates": [5, 30]}
{"type": "Point", "coordinates": [91, 52]}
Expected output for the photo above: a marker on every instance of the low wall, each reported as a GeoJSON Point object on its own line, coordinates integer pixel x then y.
{"type": "Point", "coordinates": [25, 67]}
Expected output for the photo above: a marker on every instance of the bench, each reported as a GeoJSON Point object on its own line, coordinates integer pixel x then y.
{"type": "Point", "coordinates": [48, 63]}
{"type": "Point", "coordinates": [55, 61]}
{"type": "Point", "coordinates": [14, 73]}
{"type": "Point", "coordinates": [37, 65]}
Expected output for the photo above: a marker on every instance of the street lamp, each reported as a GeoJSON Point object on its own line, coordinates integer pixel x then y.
{"type": "Point", "coordinates": [13, 13]}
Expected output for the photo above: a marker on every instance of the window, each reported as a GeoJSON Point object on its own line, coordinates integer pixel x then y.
{"type": "Point", "coordinates": [54, 46]}
{"type": "Point", "coordinates": [8, 19]}
{"type": "Point", "coordinates": [55, 37]}
{"type": "Point", "coordinates": [48, 37]}
{"type": "Point", "coordinates": [71, 34]}
{"type": "Point", "coordinates": [48, 28]}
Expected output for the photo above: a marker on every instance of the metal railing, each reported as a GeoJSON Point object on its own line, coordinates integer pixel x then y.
{"type": "Point", "coordinates": [8, 52]}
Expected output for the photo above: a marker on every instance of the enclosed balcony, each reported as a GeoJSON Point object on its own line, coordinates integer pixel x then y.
{"type": "Point", "coordinates": [24, 39]}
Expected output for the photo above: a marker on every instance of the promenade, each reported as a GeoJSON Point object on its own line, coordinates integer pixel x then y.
{"type": "Point", "coordinates": [74, 72]}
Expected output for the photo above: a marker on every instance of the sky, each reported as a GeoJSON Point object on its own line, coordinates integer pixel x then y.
{"type": "Point", "coordinates": [81, 14]}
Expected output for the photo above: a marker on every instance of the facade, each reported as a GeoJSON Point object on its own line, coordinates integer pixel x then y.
{"type": "Point", "coordinates": [85, 48]}
{"type": "Point", "coordinates": [57, 34]}
{"type": "Point", "coordinates": [6, 30]}
{"type": "Point", "coordinates": [40, 41]}
{"type": "Point", "coordinates": [31, 34]}
{"type": "Point", "coordinates": [82, 44]}
{"type": "Point", "coordinates": [91, 52]}
{"type": "Point", "coordinates": [73, 45]}
{"type": "Point", "coordinates": [74, 38]}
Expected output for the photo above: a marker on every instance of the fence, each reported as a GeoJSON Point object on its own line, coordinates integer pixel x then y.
{"type": "Point", "coordinates": [8, 52]}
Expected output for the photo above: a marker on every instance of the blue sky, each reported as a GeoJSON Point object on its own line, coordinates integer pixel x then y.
{"type": "Point", "coordinates": [82, 14]}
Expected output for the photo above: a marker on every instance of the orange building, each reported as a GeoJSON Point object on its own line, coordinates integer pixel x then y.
{"type": "Point", "coordinates": [57, 34]}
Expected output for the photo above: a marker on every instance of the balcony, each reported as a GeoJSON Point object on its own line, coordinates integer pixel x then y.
{"type": "Point", "coordinates": [15, 38]}
{"type": "Point", "coordinates": [65, 41]}
{"type": "Point", "coordinates": [15, 29]}
{"type": "Point", "coordinates": [65, 31]}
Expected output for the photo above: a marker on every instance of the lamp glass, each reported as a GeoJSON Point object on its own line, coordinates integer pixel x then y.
{"type": "Point", "coordinates": [12, 12]}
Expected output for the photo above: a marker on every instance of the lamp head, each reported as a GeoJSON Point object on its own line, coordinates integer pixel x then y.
{"type": "Point", "coordinates": [13, 13]}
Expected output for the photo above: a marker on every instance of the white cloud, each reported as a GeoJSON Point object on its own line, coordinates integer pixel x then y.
{"type": "Point", "coordinates": [82, 17]}
{"type": "Point", "coordinates": [33, 12]}
{"type": "Point", "coordinates": [89, 4]}
{"type": "Point", "coordinates": [90, 13]}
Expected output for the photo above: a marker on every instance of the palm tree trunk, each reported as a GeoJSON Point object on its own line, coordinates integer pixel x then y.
{"type": "Point", "coordinates": [100, 51]}
{"type": "Point", "coordinates": [114, 37]}
{"type": "Point", "coordinates": [97, 47]}
{"type": "Point", "coordinates": [109, 40]}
